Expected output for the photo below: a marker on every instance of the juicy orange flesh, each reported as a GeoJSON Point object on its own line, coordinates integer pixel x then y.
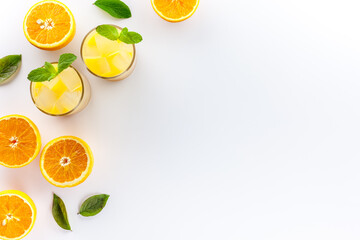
{"type": "Point", "coordinates": [48, 11]}
{"type": "Point", "coordinates": [20, 214]}
{"type": "Point", "coordinates": [18, 133]}
{"type": "Point", "coordinates": [175, 9]}
{"type": "Point", "coordinates": [67, 151]}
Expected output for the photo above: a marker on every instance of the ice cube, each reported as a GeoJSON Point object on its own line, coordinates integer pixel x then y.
{"type": "Point", "coordinates": [90, 49]}
{"type": "Point", "coordinates": [106, 46]}
{"type": "Point", "coordinates": [36, 88]}
{"type": "Point", "coordinates": [58, 109]}
{"type": "Point", "coordinates": [68, 101]}
{"type": "Point", "coordinates": [59, 88]}
{"type": "Point", "coordinates": [91, 39]}
{"type": "Point", "coordinates": [50, 84]}
{"type": "Point", "coordinates": [99, 66]}
{"type": "Point", "coordinates": [120, 62]}
{"type": "Point", "coordinates": [71, 79]}
{"type": "Point", "coordinates": [45, 99]}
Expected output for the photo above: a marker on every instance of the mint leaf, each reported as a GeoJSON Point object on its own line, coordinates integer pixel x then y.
{"type": "Point", "coordinates": [50, 68]}
{"type": "Point", "coordinates": [49, 72]}
{"type": "Point", "coordinates": [112, 33]}
{"type": "Point", "coordinates": [129, 37]}
{"type": "Point", "coordinates": [40, 75]}
{"type": "Point", "coordinates": [65, 61]}
{"type": "Point", "coordinates": [8, 67]}
{"type": "Point", "coordinates": [93, 205]}
{"type": "Point", "coordinates": [108, 31]}
{"type": "Point", "coordinates": [115, 8]}
{"type": "Point", "coordinates": [59, 213]}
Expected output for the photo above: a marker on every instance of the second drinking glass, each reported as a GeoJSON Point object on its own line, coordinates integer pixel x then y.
{"type": "Point", "coordinates": [107, 59]}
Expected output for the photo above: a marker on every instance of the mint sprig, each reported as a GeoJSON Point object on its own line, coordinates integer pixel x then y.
{"type": "Point", "coordinates": [112, 33]}
{"type": "Point", "coordinates": [48, 71]}
{"type": "Point", "coordinates": [115, 8]}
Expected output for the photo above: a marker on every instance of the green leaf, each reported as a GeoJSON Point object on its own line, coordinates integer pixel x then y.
{"type": "Point", "coordinates": [59, 213]}
{"type": "Point", "coordinates": [8, 67]}
{"type": "Point", "coordinates": [50, 68]}
{"type": "Point", "coordinates": [115, 8]}
{"type": "Point", "coordinates": [108, 31]}
{"type": "Point", "coordinates": [49, 72]}
{"type": "Point", "coordinates": [93, 205]}
{"type": "Point", "coordinates": [65, 61]}
{"type": "Point", "coordinates": [129, 37]}
{"type": "Point", "coordinates": [40, 75]}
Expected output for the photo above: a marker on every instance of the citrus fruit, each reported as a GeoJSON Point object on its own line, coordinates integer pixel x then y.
{"type": "Point", "coordinates": [66, 161]}
{"type": "Point", "coordinates": [49, 25]}
{"type": "Point", "coordinates": [19, 141]}
{"type": "Point", "coordinates": [175, 10]}
{"type": "Point", "coordinates": [17, 214]}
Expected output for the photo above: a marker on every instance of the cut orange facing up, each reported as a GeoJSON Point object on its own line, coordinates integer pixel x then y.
{"type": "Point", "coordinates": [17, 214]}
{"type": "Point", "coordinates": [66, 161]}
{"type": "Point", "coordinates": [49, 25]}
{"type": "Point", "coordinates": [175, 10]}
{"type": "Point", "coordinates": [19, 141]}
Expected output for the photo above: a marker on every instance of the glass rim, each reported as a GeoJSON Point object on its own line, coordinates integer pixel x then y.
{"type": "Point", "coordinates": [72, 110]}
{"type": "Point", "coordinates": [96, 75]}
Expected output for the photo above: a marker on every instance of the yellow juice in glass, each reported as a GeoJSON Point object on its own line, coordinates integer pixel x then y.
{"type": "Point", "coordinates": [107, 59]}
{"type": "Point", "coordinates": [66, 94]}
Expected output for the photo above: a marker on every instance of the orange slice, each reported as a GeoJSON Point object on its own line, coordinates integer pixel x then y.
{"type": "Point", "coordinates": [175, 10]}
{"type": "Point", "coordinates": [19, 141]}
{"type": "Point", "coordinates": [17, 214]}
{"type": "Point", "coordinates": [49, 25]}
{"type": "Point", "coordinates": [66, 161]}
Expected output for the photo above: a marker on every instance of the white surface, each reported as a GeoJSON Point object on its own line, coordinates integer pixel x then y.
{"type": "Point", "coordinates": [239, 123]}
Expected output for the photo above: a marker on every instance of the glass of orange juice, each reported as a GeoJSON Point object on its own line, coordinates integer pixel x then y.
{"type": "Point", "coordinates": [107, 59]}
{"type": "Point", "coordinates": [66, 94]}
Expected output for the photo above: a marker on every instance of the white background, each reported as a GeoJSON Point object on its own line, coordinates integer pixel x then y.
{"type": "Point", "coordinates": [242, 122]}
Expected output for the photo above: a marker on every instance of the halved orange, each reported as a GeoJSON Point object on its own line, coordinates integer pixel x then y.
{"type": "Point", "coordinates": [175, 10]}
{"type": "Point", "coordinates": [17, 214]}
{"type": "Point", "coordinates": [19, 141]}
{"type": "Point", "coordinates": [49, 25]}
{"type": "Point", "coordinates": [66, 161]}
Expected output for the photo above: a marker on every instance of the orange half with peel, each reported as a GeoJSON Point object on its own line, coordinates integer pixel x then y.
{"type": "Point", "coordinates": [66, 161]}
{"type": "Point", "coordinates": [20, 141]}
{"type": "Point", "coordinates": [17, 214]}
{"type": "Point", "coordinates": [175, 10]}
{"type": "Point", "coordinates": [49, 25]}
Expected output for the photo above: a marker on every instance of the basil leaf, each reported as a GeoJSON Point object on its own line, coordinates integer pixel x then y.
{"type": "Point", "coordinates": [108, 31]}
{"type": "Point", "coordinates": [129, 37]}
{"type": "Point", "coordinates": [50, 68]}
{"type": "Point", "coordinates": [93, 205]}
{"type": "Point", "coordinates": [40, 75]}
{"type": "Point", "coordinates": [59, 213]}
{"type": "Point", "coordinates": [8, 67]}
{"type": "Point", "coordinates": [65, 61]}
{"type": "Point", "coordinates": [115, 8]}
